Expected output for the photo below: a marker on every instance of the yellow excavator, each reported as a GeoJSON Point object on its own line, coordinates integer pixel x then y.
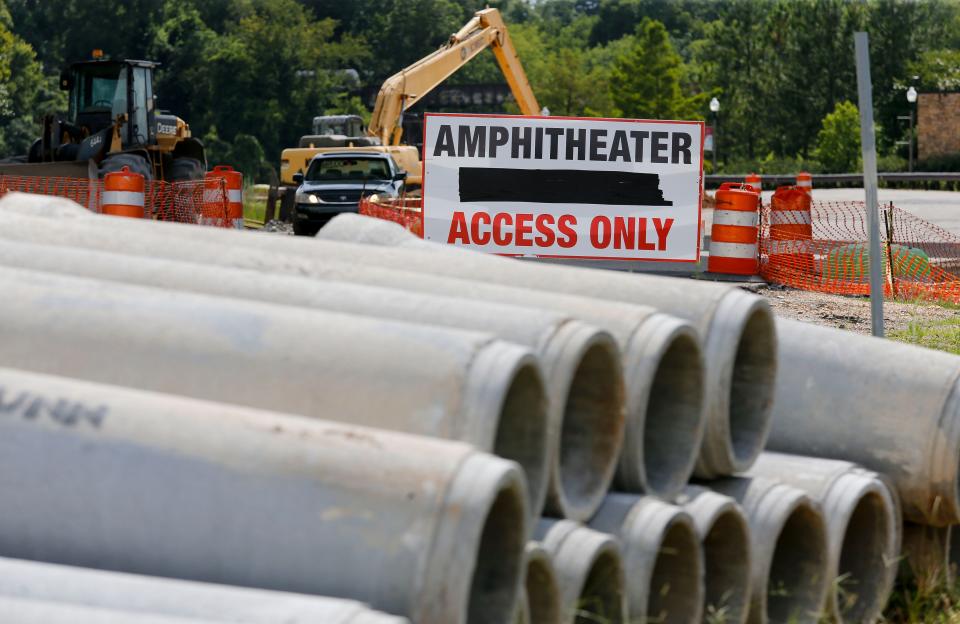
{"type": "Point", "coordinates": [406, 88]}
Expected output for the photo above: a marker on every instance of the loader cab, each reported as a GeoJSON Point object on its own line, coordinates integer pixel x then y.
{"type": "Point", "coordinates": [100, 90]}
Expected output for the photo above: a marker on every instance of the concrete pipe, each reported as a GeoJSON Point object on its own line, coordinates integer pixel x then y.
{"type": "Point", "coordinates": [139, 594]}
{"type": "Point", "coordinates": [662, 558]}
{"type": "Point", "coordinates": [846, 396]}
{"type": "Point", "coordinates": [929, 556]}
{"type": "Point", "coordinates": [725, 540]}
{"type": "Point", "coordinates": [737, 327]}
{"type": "Point", "coordinates": [788, 545]}
{"type": "Point", "coordinates": [661, 355]}
{"type": "Point", "coordinates": [863, 529]}
{"type": "Point", "coordinates": [106, 477]}
{"type": "Point", "coordinates": [589, 572]}
{"type": "Point", "coordinates": [541, 592]}
{"type": "Point", "coordinates": [438, 382]}
{"type": "Point", "coordinates": [581, 363]}
{"type": "Point", "coordinates": [23, 611]}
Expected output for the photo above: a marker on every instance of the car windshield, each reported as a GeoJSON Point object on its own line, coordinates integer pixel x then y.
{"type": "Point", "coordinates": [348, 169]}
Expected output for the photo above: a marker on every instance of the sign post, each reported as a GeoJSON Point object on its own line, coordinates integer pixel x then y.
{"type": "Point", "coordinates": [869, 148]}
{"type": "Point", "coordinates": [610, 189]}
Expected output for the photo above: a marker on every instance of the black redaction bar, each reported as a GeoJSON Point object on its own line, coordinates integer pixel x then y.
{"type": "Point", "coordinates": [560, 186]}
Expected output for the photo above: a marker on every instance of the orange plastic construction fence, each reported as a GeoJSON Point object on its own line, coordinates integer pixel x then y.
{"type": "Point", "coordinates": [407, 211]}
{"type": "Point", "coordinates": [828, 251]}
{"type": "Point", "coordinates": [186, 202]}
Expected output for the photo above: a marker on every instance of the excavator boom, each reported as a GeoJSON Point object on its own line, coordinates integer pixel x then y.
{"type": "Point", "coordinates": [405, 88]}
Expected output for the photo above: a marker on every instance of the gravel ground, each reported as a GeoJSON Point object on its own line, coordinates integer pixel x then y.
{"type": "Point", "coordinates": [850, 313]}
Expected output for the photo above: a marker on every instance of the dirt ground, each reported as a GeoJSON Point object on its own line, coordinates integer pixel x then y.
{"type": "Point", "coordinates": [850, 313]}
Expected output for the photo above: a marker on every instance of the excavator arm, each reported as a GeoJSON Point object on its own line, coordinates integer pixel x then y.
{"type": "Point", "coordinates": [407, 87]}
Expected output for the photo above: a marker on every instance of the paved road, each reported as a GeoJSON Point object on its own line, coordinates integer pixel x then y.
{"type": "Point", "coordinates": [939, 207]}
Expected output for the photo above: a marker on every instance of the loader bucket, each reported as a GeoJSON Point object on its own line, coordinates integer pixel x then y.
{"type": "Point", "coordinates": [67, 169]}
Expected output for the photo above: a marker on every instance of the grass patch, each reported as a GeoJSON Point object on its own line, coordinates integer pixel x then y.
{"type": "Point", "coordinates": [254, 205]}
{"type": "Point", "coordinates": [943, 335]}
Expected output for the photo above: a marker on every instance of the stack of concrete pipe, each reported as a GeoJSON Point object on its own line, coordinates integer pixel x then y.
{"type": "Point", "coordinates": [521, 435]}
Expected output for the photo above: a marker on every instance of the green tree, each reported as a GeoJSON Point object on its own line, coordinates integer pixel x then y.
{"type": "Point", "coordinates": [838, 142]}
{"type": "Point", "coordinates": [25, 93]}
{"type": "Point", "coordinates": [645, 80]}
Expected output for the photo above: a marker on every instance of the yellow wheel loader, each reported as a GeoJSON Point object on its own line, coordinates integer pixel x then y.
{"type": "Point", "coordinates": [112, 122]}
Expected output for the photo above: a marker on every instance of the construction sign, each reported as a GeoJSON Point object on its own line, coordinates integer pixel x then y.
{"type": "Point", "coordinates": [564, 187]}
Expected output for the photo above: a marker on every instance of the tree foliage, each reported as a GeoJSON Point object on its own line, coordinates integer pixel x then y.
{"type": "Point", "coordinates": [251, 74]}
{"type": "Point", "coordinates": [838, 142]}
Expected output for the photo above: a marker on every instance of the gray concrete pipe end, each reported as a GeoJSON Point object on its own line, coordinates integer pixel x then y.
{"type": "Point", "coordinates": [789, 544]}
{"type": "Point", "coordinates": [740, 350]}
{"type": "Point", "coordinates": [725, 539]}
{"type": "Point", "coordinates": [589, 571]}
{"type": "Point", "coordinates": [514, 423]}
{"type": "Point", "coordinates": [541, 589]}
{"type": "Point", "coordinates": [862, 519]}
{"type": "Point", "coordinates": [591, 430]}
{"type": "Point", "coordinates": [665, 374]}
{"type": "Point", "coordinates": [663, 563]}
{"type": "Point", "coordinates": [498, 523]}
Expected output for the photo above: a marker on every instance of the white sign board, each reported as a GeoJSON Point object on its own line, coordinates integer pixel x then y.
{"type": "Point", "coordinates": [563, 187]}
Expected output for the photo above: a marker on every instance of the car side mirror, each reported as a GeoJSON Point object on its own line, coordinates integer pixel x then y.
{"type": "Point", "coordinates": [298, 177]}
{"type": "Point", "coordinates": [400, 175]}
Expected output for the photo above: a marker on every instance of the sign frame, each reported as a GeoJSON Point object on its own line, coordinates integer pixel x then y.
{"type": "Point", "coordinates": [699, 225]}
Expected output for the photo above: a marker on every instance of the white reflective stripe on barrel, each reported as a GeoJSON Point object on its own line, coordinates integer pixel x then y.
{"type": "Point", "coordinates": [212, 196]}
{"type": "Point", "coordinates": [793, 217]}
{"type": "Point", "coordinates": [122, 198]}
{"type": "Point", "coordinates": [732, 250]}
{"type": "Point", "coordinates": [788, 246]}
{"type": "Point", "coordinates": [234, 196]}
{"type": "Point", "coordinates": [735, 217]}
{"type": "Point", "coordinates": [804, 182]}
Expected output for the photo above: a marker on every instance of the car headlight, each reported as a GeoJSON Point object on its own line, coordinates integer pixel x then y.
{"type": "Point", "coordinates": [307, 198]}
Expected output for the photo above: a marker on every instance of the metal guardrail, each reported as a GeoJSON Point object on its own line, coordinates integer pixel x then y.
{"type": "Point", "coordinates": [841, 178]}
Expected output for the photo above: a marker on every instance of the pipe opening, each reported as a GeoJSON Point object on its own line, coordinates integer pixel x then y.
{"type": "Point", "coordinates": [522, 432]}
{"type": "Point", "coordinates": [674, 413]}
{"type": "Point", "coordinates": [592, 430]}
{"type": "Point", "coordinates": [499, 562]}
{"type": "Point", "coordinates": [751, 387]}
{"type": "Point", "coordinates": [675, 595]}
{"type": "Point", "coordinates": [860, 584]}
{"type": "Point", "coordinates": [796, 582]}
{"type": "Point", "coordinates": [543, 595]}
{"type": "Point", "coordinates": [726, 569]}
{"type": "Point", "coordinates": [601, 599]}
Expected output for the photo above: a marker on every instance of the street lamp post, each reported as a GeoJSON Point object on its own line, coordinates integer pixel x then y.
{"type": "Point", "coordinates": [911, 99]}
{"type": "Point", "coordinates": [715, 109]}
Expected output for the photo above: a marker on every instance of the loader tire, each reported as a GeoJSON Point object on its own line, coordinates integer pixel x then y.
{"type": "Point", "coordinates": [135, 162]}
{"type": "Point", "coordinates": [186, 170]}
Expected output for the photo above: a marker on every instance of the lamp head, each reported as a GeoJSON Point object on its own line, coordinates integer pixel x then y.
{"type": "Point", "coordinates": [911, 95]}
{"type": "Point", "coordinates": [714, 105]}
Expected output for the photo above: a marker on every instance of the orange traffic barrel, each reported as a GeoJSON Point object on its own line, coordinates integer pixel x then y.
{"type": "Point", "coordinates": [754, 180]}
{"type": "Point", "coordinates": [123, 194]}
{"type": "Point", "coordinates": [234, 193]}
{"type": "Point", "coordinates": [805, 182]}
{"type": "Point", "coordinates": [791, 229]}
{"type": "Point", "coordinates": [733, 237]}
